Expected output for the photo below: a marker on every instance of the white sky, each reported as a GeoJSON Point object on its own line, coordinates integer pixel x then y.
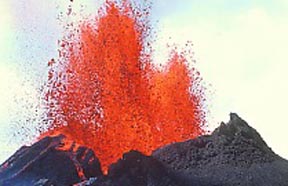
{"type": "Point", "coordinates": [240, 47]}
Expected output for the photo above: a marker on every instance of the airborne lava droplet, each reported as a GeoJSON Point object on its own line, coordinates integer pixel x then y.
{"type": "Point", "coordinates": [104, 92]}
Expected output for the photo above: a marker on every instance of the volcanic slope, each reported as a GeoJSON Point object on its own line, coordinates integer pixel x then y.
{"type": "Point", "coordinates": [234, 154]}
{"type": "Point", "coordinates": [50, 161]}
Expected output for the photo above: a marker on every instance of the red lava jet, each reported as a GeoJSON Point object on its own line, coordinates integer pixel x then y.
{"type": "Point", "coordinates": [103, 92]}
{"type": "Point", "coordinates": [106, 103]}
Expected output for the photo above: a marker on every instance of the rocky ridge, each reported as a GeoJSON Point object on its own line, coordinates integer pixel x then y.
{"type": "Point", "coordinates": [234, 154]}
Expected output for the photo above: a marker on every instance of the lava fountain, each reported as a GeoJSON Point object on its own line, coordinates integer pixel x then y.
{"type": "Point", "coordinates": [104, 92]}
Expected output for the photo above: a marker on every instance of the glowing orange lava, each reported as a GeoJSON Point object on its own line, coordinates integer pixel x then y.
{"type": "Point", "coordinates": [104, 92]}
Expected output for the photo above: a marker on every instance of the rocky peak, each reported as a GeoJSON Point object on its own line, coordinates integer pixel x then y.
{"type": "Point", "coordinates": [238, 129]}
{"type": "Point", "coordinates": [234, 154]}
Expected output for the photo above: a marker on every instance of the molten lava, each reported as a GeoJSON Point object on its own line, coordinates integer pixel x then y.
{"type": "Point", "coordinates": [105, 93]}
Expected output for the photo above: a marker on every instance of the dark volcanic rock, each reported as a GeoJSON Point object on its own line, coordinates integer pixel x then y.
{"type": "Point", "coordinates": [234, 154]}
{"type": "Point", "coordinates": [136, 169]}
{"type": "Point", "coordinates": [44, 164]}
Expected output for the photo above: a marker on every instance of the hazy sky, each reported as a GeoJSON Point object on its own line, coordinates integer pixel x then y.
{"type": "Point", "coordinates": [240, 48]}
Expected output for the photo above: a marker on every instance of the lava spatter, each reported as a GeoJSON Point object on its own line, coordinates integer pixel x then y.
{"type": "Point", "coordinates": [105, 93]}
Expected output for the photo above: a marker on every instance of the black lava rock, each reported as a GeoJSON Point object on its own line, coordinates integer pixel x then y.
{"type": "Point", "coordinates": [136, 169]}
{"type": "Point", "coordinates": [44, 164]}
{"type": "Point", "coordinates": [234, 154]}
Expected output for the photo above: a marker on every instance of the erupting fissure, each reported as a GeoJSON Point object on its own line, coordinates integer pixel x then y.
{"type": "Point", "coordinates": [103, 91]}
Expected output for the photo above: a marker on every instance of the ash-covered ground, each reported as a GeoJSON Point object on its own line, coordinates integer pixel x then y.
{"type": "Point", "coordinates": [234, 154]}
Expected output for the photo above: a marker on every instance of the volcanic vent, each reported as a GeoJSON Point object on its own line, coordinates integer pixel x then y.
{"type": "Point", "coordinates": [105, 93]}
{"type": "Point", "coordinates": [105, 99]}
{"type": "Point", "coordinates": [234, 154]}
